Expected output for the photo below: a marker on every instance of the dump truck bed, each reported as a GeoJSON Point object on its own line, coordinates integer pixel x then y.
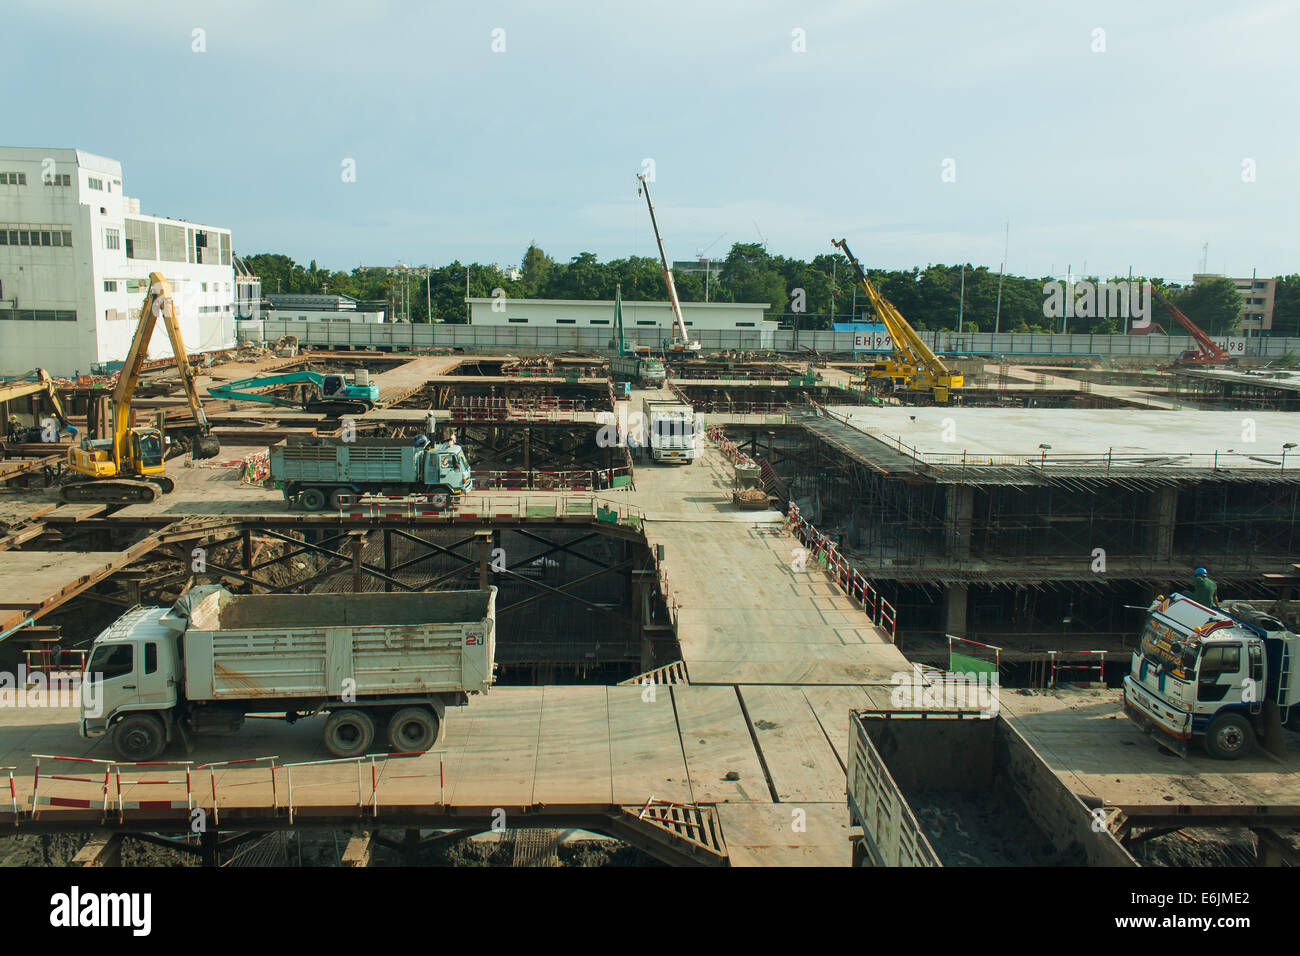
{"type": "Point", "coordinates": [939, 789]}
{"type": "Point", "coordinates": [330, 645]}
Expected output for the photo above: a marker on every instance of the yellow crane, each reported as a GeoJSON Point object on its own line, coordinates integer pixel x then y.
{"type": "Point", "coordinates": [128, 467]}
{"type": "Point", "coordinates": [914, 367]}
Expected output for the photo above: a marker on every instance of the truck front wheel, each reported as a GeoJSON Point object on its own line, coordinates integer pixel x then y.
{"type": "Point", "coordinates": [1230, 737]}
{"type": "Point", "coordinates": [412, 730]}
{"type": "Point", "coordinates": [349, 733]}
{"type": "Point", "coordinates": [138, 737]}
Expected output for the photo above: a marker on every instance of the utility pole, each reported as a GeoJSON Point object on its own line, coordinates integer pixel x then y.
{"type": "Point", "coordinates": [961, 299]}
{"type": "Point", "coordinates": [997, 314]}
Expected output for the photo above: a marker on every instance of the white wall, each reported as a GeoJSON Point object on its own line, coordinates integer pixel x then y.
{"type": "Point", "coordinates": [547, 313]}
{"type": "Point", "coordinates": [321, 315]}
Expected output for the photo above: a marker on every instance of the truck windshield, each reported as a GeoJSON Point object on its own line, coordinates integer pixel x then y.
{"type": "Point", "coordinates": [111, 660]}
{"type": "Point", "coordinates": [1163, 645]}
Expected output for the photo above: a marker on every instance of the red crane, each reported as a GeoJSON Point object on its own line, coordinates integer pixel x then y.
{"type": "Point", "coordinates": [1206, 352]}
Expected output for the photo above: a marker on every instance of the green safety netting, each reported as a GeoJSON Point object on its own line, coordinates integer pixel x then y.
{"type": "Point", "coordinates": [961, 664]}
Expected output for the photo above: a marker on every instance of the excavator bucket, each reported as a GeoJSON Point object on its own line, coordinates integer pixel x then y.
{"type": "Point", "coordinates": [206, 446]}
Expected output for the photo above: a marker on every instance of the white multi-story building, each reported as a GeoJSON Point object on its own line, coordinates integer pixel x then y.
{"type": "Point", "coordinates": [75, 258]}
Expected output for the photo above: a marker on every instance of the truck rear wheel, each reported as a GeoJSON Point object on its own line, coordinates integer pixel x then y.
{"type": "Point", "coordinates": [312, 499]}
{"type": "Point", "coordinates": [1230, 737]}
{"type": "Point", "coordinates": [138, 737]}
{"type": "Point", "coordinates": [349, 733]}
{"type": "Point", "coordinates": [412, 730]}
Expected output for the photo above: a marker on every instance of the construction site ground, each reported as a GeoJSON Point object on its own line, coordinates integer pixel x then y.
{"type": "Point", "coordinates": [775, 657]}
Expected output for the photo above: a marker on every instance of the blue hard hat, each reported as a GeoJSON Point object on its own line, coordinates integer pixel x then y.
{"type": "Point", "coordinates": [1201, 572]}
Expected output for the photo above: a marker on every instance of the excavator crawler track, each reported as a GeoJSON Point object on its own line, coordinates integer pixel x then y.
{"type": "Point", "coordinates": [111, 491]}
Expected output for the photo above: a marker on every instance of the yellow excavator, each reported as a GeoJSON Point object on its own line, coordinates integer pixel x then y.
{"type": "Point", "coordinates": [36, 382]}
{"type": "Point", "coordinates": [914, 370]}
{"type": "Point", "coordinates": [128, 467]}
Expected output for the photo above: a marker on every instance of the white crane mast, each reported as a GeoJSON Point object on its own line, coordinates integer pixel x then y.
{"type": "Point", "coordinates": [681, 340]}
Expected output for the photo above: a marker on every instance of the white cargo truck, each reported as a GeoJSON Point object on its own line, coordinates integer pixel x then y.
{"type": "Point", "coordinates": [669, 430]}
{"type": "Point", "coordinates": [1228, 676]}
{"type": "Point", "coordinates": [374, 663]}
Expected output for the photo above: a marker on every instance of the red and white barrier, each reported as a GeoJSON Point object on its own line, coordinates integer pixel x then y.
{"type": "Point", "coordinates": [824, 551]}
{"type": "Point", "coordinates": [86, 800]}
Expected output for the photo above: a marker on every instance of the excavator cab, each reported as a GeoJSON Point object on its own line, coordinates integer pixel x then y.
{"type": "Point", "coordinates": [147, 448]}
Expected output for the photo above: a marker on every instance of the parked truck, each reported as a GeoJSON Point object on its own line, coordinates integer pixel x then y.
{"type": "Point", "coordinates": [638, 367]}
{"type": "Point", "coordinates": [669, 430]}
{"type": "Point", "coordinates": [382, 667]}
{"type": "Point", "coordinates": [1225, 676]}
{"type": "Point", "coordinates": [315, 472]}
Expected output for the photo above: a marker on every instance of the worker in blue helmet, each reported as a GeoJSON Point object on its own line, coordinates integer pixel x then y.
{"type": "Point", "coordinates": [1204, 590]}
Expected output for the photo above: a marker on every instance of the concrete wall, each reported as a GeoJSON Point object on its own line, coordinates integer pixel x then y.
{"type": "Point", "coordinates": [1016, 347]}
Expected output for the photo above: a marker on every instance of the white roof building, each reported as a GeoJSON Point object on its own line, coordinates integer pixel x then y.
{"type": "Point", "coordinates": [75, 258]}
{"type": "Point", "coordinates": [637, 316]}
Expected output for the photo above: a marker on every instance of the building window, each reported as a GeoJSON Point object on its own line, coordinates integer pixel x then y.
{"type": "Point", "coordinates": [517, 320]}
{"type": "Point", "coordinates": [645, 322]}
{"type": "Point", "coordinates": [565, 321]}
{"type": "Point", "coordinates": [744, 325]}
{"type": "Point", "coordinates": [13, 179]}
{"type": "Point", "coordinates": [58, 179]}
{"type": "Point", "coordinates": [141, 242]}
{"type": "Point", "coordinates": [110, 285]}
{"type": "Point", "coordinates": [600, 321]}
{"type": "Point", "coordinates": [112, 239]}
{"type": "Point", "coordinates": [95, 183]}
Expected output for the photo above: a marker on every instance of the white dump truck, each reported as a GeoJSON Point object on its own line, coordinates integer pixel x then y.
{"type": "Point", "coordinates": [1227, 676]}
{"type": "Point", "coordinates": [383, 667]}
{"type": "Point", "coordinates": [669, 430]}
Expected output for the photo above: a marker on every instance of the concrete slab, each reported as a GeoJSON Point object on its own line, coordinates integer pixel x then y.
{"type": "Point", "coordinates": [1082, 432]}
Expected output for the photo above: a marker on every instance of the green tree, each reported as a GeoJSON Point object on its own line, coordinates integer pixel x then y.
{"type": "Point", "coordinates": [1286, 306]}
{"type": "Point", "coordinates": [1214, 305]}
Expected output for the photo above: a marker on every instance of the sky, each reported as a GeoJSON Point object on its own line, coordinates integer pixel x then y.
{"type": "Point", "coordinates": [1101, 136]}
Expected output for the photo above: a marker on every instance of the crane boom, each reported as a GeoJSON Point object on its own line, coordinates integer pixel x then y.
{"type": "Point", "coordinates": [681, 340]}
{"type": "Point", "coordinates": [1208, 353]}
{"type": "Point", "coordinates": [915, 364]}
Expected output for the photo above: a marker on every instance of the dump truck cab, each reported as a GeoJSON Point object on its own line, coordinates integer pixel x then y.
{"type": "Point", "coordinates": [1211, 674]}
{"type": "Point", "coordinates": [134, 665]}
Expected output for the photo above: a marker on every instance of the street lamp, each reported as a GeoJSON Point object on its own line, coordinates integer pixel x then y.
{"type": "Point", "coordinates": [1285, 448]}
{"type": "Point", "coordinates": [1043, 460]}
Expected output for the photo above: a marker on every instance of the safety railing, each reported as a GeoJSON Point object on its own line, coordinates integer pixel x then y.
{"type": "Point", "coordinates": [92, 791]}
{"type": "Point", "coordinates": [954, 639]}
{"type": "Point", "coordinates": [579, 480]}
{"type": "Point", "coordinates": [246, 762]}
{"type": "Point", "coordinates": [729, 448]}
{"type": "Point", "coordinates": [856, 585]}
{"type": "Point", "coordinates": [368, 778]}
{"type": "Point", "coordinates": [13, 791]}
{"type": "Point", "coordinates": [1095, 663]}
{"type": "Point", "coordinates": [157, 773]}
{"type": "Point", "coordinates": [46, 660]}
